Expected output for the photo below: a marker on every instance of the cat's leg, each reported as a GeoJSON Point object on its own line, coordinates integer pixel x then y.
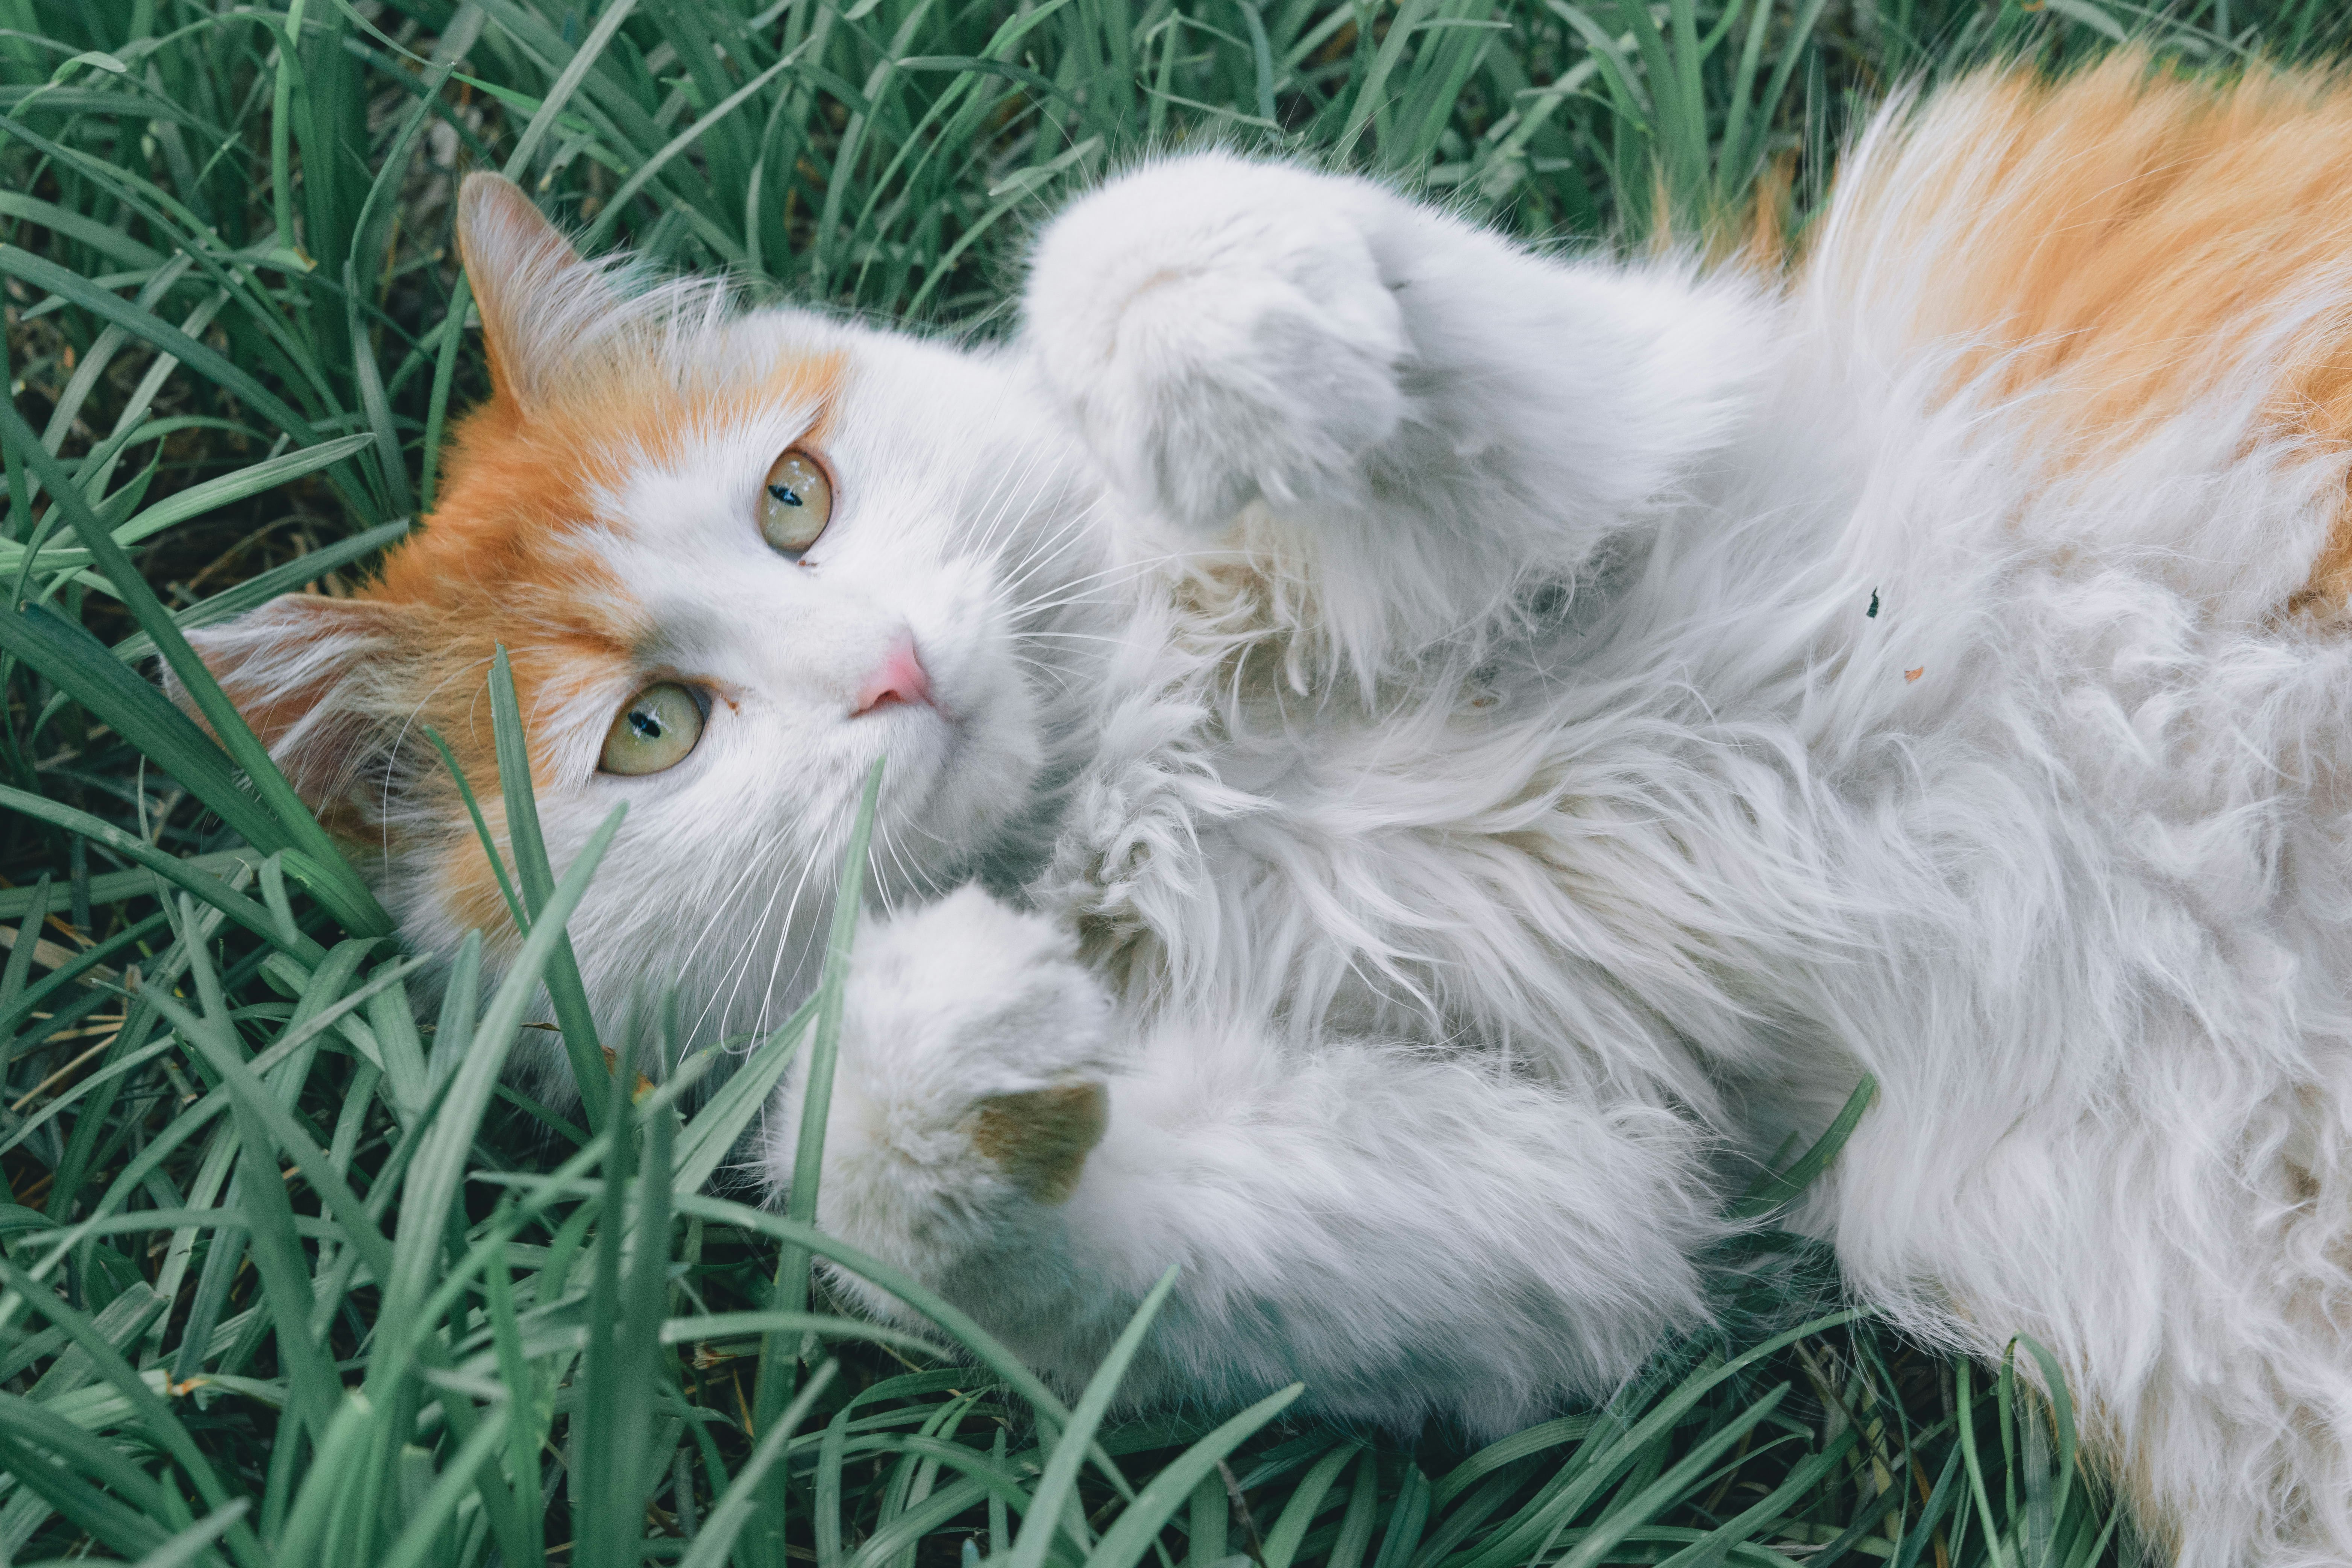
{"type": "Point", "coordinates": [1408, 1234]}
{"type": "Point", "coordinates": [1438, 413]}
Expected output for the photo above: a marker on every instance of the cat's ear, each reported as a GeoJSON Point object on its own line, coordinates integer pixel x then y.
{"type": "Point", "coordinates": [538, 295]}
{"type": "Point", "coordinates": [326, 684]}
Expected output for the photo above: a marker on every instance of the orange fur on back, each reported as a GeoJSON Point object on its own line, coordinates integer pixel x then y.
{"type": "Point", "coordinates": [2120, 237]}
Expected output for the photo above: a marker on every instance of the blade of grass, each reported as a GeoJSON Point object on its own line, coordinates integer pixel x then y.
{"type": "Point", "coordinates": [566, 990]}
{"type": "Point", "coordinates": [1774, 1189]}
{"type": "Point", "coordinates": [205, 888]}
{"type": "Point", "coordinates": [728, 1114]}
{"type": "Point", "coordinates": [196, 1540]}
{"type": "Point", "coordinates": [711, 1545]}
{"type": "Point", "coordinates": [1137, 1527]}
{"type": "Point", "coordinates": [1051, 1507]}
{"type": "Point", "coordinates": [344, 893]}
{"type": "Point", "coordinates": [575, 70]}
{"type": "Point", "coordinates": [153, 1417]}
{"type": "Point", "coordinates": [79, 664]}
{"type": "Point", "coordinates": [437, 1169]}
{"type": "Point", "coordinates": [791, 1289]}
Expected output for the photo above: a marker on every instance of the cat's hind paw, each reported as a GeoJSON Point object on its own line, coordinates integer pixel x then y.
{"type": "Point", "coordinates": [1220, 332]}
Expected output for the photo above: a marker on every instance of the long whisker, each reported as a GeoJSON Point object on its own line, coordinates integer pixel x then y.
{"type": "Point", "coordinates": [910, 865]}
{"type": "Point", "coordinates": [782, 938]}
{"type": "Point", "coordinates": [998, 504]}
{"type": "Point", "coordinates": [999, 509]}
{"type": "Point", "coordinates": [1092, 587]}
{"type": "Point", "coordinates": [739, 966]}
{"type": "Point", "coordinates": [1071, 524]}
{"type": "Point", "coordinates": [785, 944]}
{"type": "Point", "coordinates": [400, 740]}
{"type": "Point", "coordinates": [1062, 678]}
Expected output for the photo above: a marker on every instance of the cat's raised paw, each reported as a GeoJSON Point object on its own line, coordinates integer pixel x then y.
{"type": "Point", "coordinates": [1220, 332]}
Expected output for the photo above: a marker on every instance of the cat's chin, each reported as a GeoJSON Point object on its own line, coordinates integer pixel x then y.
{"type": "Point", "coordinates": [956, 780]}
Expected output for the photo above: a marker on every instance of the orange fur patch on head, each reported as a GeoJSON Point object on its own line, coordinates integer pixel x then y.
{"type": "Point", "coordinates": [596, 382]}
{"type": "Point", "coordinates": [508, 558]}
{"type": "Point", "coordinates": [2118, 241]}
{"type": "Point", "coordinates": [470, 885]}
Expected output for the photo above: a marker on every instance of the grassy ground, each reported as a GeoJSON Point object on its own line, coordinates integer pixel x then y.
{"type": "Point", "coordinates": [287, 1275]}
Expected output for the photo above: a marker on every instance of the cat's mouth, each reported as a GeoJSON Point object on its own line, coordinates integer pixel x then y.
{"type": "Point", "coordinates": [922, 739]}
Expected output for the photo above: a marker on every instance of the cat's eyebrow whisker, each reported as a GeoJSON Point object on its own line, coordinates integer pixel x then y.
{"type": "Point", "coordinates": [400, 740]}
{"type": "Point", "coordinates": [1010, 488]}
{"type": "Point", "coordinates": [1072, 524]}
{"type": "Point", "coordinates": [1053, 545]}
{"type": "Point", "coordinates": [1000, 506]}
{"type": "Point", "coordinates": [545, 701]}
{"type": "Point", "coordinates": [1079, 637]}
{"type": "Point", "coordinates": [1073, 590]}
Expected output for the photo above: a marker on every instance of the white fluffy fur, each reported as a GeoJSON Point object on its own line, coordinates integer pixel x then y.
{"type": "Point", "coordinates": [1414, 703]}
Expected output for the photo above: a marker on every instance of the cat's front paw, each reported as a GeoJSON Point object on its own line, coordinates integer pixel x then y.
{"type": "Point", "coordinates": [974, 1052]}
{"type": "Point", "coordinates": [1222, 331]}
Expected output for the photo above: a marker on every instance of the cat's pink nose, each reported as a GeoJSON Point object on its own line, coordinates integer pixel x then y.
{"type": "Point", "coordinates": [900, 679]}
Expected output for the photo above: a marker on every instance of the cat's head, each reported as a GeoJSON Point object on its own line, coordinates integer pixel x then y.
{"type": "Point", "coordinates": [733, 558]}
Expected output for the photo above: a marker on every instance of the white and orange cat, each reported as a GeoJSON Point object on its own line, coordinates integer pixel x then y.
{"type": "Point", "coordinates": [1409, 758]}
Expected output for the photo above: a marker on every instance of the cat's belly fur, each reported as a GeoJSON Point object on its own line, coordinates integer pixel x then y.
{"type": "Point", "coordinates": [2005, 771]}
{"type": "Point", "coordinates": [2051, 823]}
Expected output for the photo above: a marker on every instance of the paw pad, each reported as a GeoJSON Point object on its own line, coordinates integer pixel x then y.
{"type": "Point", "coordinates": [1040, 1139]}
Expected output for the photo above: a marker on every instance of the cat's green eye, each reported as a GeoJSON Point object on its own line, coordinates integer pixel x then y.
{"type": "Point", "coordinates": [653, 732]}
{"type": "Point", "coordinates": [795, 502]}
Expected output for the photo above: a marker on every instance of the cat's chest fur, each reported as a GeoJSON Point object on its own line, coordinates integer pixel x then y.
{"type": "Point", "coordinates": [1495, 852]}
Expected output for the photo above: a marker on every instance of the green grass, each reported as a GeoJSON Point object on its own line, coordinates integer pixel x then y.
{"type": "Point", "coordinates": [287, 1275]}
